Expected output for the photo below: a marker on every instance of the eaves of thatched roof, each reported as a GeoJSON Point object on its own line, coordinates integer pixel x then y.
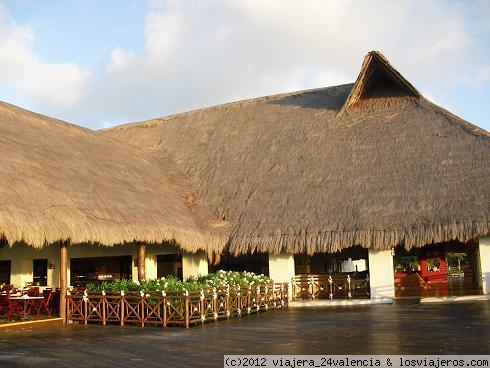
{"type": "Point", "coordinates": [63, 182]}
{"type": "Point", "coordinates": [372, 163]}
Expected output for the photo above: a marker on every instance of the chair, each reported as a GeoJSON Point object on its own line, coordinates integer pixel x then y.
{"type": "Point", "coordinates": [33, 303]}
{"type": "Point", "coordinates": [3, 303]}
{"type": "Point", "coordinates": [45, 304]}
{"type": "Point", "coordinates": [14, 307]}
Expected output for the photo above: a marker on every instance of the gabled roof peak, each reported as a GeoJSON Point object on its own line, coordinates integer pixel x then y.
{"type": "Point", "coordinates": [378, 78]}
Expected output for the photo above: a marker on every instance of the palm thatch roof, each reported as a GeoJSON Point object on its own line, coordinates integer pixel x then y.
{"type": "Point", "coordinates": [371, 163]}
{"type": "Point", "coordinates": [63, 182]}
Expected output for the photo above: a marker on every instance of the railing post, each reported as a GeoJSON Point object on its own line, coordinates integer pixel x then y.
{"type": "Point", "coordinates": [239, 301]}
{"type": "Point", "coordinates": [215, 305]}
{"type": "Point", "coordinates": [186, 296]}
{"type": "Point", "coordinates": [227, 301]}
{"type": "Point", "coordinates": [330, 282]}
{"type": "Point", "coordinates": [164, 296]}
{"type": "Point", "coordinates": [85, 307]}
{"type": "Point", "coordinates": [310, 286]}
{"type": "Point", "coordinates": [142, 306]}
{"type": "Point", "coordinates": [202, 304]}
{"type": "Point", "coordinates": [104, 302]}
{"type": "Point", "coordinates": [349, 293]}
{"type": "Point", "coordinates": [122, 307]}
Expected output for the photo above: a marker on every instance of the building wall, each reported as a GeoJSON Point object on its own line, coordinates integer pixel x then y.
{"type": "Point", "coordinates": [194, 264]}
{"type": "Point", "coordinates": [381, 274]}
{"type": "Point", "coordinates": [22, 256]}
{"type": "Point", "coordinates": [484, 246]}
{"type": "Point", "coordinates": [281, 269]}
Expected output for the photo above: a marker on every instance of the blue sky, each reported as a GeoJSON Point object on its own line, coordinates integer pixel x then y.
{"type": "Point", "coordinates": [101, 63]}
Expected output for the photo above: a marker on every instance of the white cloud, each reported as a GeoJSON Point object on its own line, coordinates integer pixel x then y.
{"type": "Point", "coordinates": [484, 73]}
{"type": "Point", "coordinates": [202, 53]}
{"type": "Point", "coordinates": [120, 60]}
{"type": "Point", "coordinates": [209, 52]}
{"type": "Point", "coordinates": [55, 84]}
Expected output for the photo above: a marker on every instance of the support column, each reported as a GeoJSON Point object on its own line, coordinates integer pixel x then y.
{"type": "Point", "coordinates": [141, 256]}
{"type": "Point", "coordinates": [63, 278]}
{"type": "Point", "coordinates": [281, 269]}
{"type": "Point", "coordinates": [484, 247]}
{"type": "Point", "coordinates": [381, 279]}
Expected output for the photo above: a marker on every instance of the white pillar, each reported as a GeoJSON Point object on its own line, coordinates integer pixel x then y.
{"type": "Point", "coordinates": [381, 275]}
{"type": "Point", "coordinates": [484, 245]}
{"type": "Point", "coordinates": [151, 266]}
{"type": "Point", "coordinates": [281, 269]}
{"type": "Point", "coordinates": [194, 264]}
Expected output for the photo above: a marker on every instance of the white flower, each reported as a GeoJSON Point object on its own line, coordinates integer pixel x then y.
{"type": "Point", "coordinates": [142, 294]}
{"type": "Point", "coordinates": [122, 292]}
{"type": "Point", "coordinates": [103, 292]}
{"type": "Point", "coordinates": [147, 295]}
{"type": "Point", "coordinates": [203, 318]}
{"type": "Point", "coordinates": [137, 282]}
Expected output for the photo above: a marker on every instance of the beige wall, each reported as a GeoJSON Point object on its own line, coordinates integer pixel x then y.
{"type": "Point", "coordinates": [281, 269]}
{"type": "Point", "coordinates": [381, 274]}
{"type": "Point", "coordinates": [194, 264]}
{"type": "Point", "coordinates": [484, 246]}
{"type": "Point", "coordinates": [21, 258]}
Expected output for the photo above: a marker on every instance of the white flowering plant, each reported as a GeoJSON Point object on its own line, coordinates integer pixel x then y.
{"type": "Point", "coordinates": [219, 280]}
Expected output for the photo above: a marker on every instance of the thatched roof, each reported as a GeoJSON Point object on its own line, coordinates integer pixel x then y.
{"type": "Point", "coordinates": [372, 164]}
{"type": "Point", "coordinates": [63, 182]}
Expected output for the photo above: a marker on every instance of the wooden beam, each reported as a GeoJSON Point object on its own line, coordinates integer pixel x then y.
{"type": "Point", "coordinates": [63, 278]}
{"type": "Point", "coordinates": [141, 261]}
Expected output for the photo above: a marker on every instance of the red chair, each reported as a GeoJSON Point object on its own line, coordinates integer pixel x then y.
{"type": "Point", "coordinates": [34, 303]}
{"type": "Point", "coordinates": [3, 303]}
{"type": "Point", "coordinates": [14, 307]}
{"type": "Point", "coordinates": [43, 304]}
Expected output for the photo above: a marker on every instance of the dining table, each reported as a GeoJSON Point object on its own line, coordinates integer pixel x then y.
{"type": "Point", "coordinates": [25, 299]}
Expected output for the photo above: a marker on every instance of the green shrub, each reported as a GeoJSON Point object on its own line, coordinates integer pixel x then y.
{"type": "Point", "coordinates": [219, 279]}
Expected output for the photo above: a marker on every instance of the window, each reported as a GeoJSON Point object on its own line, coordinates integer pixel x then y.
{"type": "Point", "coordinates": [5, 267]}
{"type": "Point", "coordinates": [40, 272]}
